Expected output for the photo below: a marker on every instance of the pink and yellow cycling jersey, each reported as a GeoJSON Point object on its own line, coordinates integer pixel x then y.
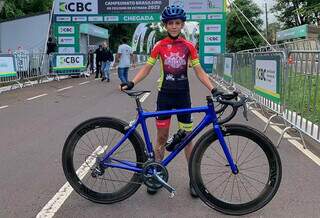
{"type": "Point", "coordinates": [174, 56]}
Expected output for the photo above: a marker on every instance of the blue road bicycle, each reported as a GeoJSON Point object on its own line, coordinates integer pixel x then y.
{"type": "Point", "coordinates": [234, 169]}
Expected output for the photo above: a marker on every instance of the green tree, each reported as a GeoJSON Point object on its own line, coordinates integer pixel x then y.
{"type": "Point", "coordinates": [16, 8]}
{"type": "Point", "coordinates": [297, 12]}
{"type": "Point", "coordinates": [237, 38]}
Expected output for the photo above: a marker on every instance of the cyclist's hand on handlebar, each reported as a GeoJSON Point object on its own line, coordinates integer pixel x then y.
{"type": "Point", "coordinates": [127, 86]}
{"type": "Point", "coordinates": [215, 92]}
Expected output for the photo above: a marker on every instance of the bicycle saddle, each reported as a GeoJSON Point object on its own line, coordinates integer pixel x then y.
{"type": "Point", "coordinates": [132, 93]}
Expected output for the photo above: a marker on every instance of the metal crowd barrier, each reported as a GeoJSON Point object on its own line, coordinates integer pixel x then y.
{"type": "Point", "coordinates": [299, 108]}
{"type": "Point", "coordinates": [29, 67]}
{"type": "Point", "coordinates": [302, 92]}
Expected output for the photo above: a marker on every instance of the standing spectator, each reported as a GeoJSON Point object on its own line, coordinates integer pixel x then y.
{"type": "Point", "coordinates": [99, 52]}
{"type": "Point", "coordinates": [51, 48]}
{"type": "Point", "coordinates": [124, 56]}
{"type": "Point", "coordinates": [90, 61]}
{"type": "Point", "coordinates": [107, 59]}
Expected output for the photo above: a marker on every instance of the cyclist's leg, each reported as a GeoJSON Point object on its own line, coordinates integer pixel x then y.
{"type": "Point", "coordinates": [163, 125]}
{"type": "Point", "coordinates": [185, 120]}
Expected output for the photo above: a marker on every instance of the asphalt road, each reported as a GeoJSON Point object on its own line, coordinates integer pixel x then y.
{"type": "Point", "coordinates": [33, 131]}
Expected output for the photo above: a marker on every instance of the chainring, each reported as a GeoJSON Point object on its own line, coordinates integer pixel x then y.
{"type": "Point", "coordinates": [149, 169]}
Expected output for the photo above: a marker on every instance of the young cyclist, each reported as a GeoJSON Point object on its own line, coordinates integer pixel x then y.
{"type": "Point", "coordinates": [174, 53]}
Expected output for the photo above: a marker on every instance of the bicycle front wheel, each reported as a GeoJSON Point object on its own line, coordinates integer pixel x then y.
{"type": "Point", "coordinates": [258, 163]}
{"type": "Point", "coordinates": [91, 140]}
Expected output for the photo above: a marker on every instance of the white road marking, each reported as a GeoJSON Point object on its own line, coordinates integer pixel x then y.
{"type": "Point", "coordinates": [144, 97]}
{"type": "Point", "coordinates": [38, 96]}
{"type": "Point", "coordinates": [64, 192]}
{"type": "Point", "coordinates": [295, 143]}
{"type": "Point", "coordinates": [60, 90]}
{"type": "Point", "coordinates": [84, 83]}
{"type": "Point", "coordinates": [3, 107]}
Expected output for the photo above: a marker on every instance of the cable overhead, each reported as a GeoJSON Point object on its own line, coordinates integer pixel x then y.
{"type": "Point", "coordinates": [246, 30]}
{"type": "Point", "coordinates": [232, 3]}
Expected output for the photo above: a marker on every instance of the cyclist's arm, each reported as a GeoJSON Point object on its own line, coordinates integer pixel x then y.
{"type": "Point", "coordinates": [145, 70]}
{"type": "Point", "coordinates": [203, 77]}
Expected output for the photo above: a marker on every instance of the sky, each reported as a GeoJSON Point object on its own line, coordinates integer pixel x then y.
{"type": "Point", "coordinates": [270, 4]}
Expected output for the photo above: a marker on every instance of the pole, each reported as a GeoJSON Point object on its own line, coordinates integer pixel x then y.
{"type": "Point", "coordinates": [267, 23]}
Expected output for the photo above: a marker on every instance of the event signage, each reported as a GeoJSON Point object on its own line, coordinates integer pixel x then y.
{"type": "Point", "coordinates": [131, 6]}
{"type": "Point", "coordinates": [69, 61]}
{"type": "Point", "coordinates": [227, 69]}
{"type": "Point", "coordinates": [267, 77]}
{"type": "Point", "coordinates": [7, 66]}
{"type": "Point", "coordinates": [76, 7]}
{"type": "Point", "coordinates": [194, 6]}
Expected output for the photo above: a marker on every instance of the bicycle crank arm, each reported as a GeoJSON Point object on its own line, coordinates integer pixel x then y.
{"type": "Point", "coordinates": [165, 185]}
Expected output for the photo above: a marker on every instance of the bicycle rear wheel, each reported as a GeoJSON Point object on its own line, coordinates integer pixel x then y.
{"type": "Point", "coordinates": [91, 140]}
{"type": "Point", "coordinates": [258, 163]}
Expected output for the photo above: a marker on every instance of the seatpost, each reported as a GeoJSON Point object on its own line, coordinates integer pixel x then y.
{"type": "Point", "coordinates": [139, 108]}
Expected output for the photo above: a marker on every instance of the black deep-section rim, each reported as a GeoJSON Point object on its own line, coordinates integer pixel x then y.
{"type": "Point", "coordinates": [272, 184]}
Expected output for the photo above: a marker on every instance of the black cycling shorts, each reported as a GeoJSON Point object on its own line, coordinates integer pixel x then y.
{"type": "Point", "coordinates": [169, 101]}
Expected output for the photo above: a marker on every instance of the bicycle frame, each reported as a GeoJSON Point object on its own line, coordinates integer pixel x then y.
{"type": "Point", "coordinates": [210, 118]}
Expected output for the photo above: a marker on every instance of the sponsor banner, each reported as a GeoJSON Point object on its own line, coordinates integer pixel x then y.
{"type": "Point", "coordinates": [142, 36]}
{"type": "Point", "coordinates": [66, 30]}
{"type": "Point", "coordinates": [227, 69]}
{"type": "Point", "coordinates": [66, 40]}
{"type": "Point", "coordinates": [7, 66]}
{"type": "Point", "coordinates": [132, 6]}
{"type": "Point", "coordinates": [136, 35]}
{"type": "Point", "coordinates": [63, 19]}
{"type": "Point", "coordinates": [212, 28]}
{"type": "Point", "coordinates": [208, 59]}
{"type": "Point", "coordinates": [267, 77]}
{"type": "Point", "coordinates": [66, 50]}
{"type": "Point", "coordinates": [79, 19]}
{"type": "Point", "coordinates": [95, 19]}
{"type": "Point", "coordinates": [194, 6]}
{"type": "Point", "coordinates": [69, 61]}
{"type": "Point", "coordinates": [198, 17]}
{"type": "Point", "coordinates": [150, 41]}
{"type": "Point", "coordinates": [111, 18]}
{"type": "Point", "coordinates": [215, 16]}
{"type": "Point", "coordinates": [212, 49]}
{"type": "Point", "coordinates": [212, 38]}
{"type": "Point", "coordinates": [71, 7]}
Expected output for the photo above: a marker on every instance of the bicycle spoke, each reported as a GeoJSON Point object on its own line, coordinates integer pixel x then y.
{"type": "Point", "coordinates": [215, 178]}
{"type": "Point", "coordinates": [243, 150]}
{"type": "Point", "coordinates": [252, 178]}
{"type": "Point", "coordinates": [254, 150]}
{"type": "Point", "coordinates": [251, 160]}
{"type": "Point", "coordinates": [251, 184]}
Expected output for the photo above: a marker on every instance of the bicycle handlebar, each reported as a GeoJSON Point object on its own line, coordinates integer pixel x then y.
{"type": "Point", "coordinates": [228, 100]}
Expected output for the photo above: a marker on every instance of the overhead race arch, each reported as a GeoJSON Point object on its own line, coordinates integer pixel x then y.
{"type": "Point", "coordinates": [209, 13]}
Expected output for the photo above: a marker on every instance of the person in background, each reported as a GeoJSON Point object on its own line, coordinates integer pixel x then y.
{"type": "Point", "coordinates": [98, 53]}
{"type": "Point", "coordinates": [90, 61]}
{"type": "Point", "coordinates": [124, 58]}
{"type": "Point", "coordinates": [51, 48]}
{"type": "Point", "coordinates": [107, 59]}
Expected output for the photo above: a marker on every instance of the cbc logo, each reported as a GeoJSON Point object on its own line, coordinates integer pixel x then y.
{"type": "Point", "coordinates": [70, 60]}
{"type": "Point", "coordinates": [75, 7]}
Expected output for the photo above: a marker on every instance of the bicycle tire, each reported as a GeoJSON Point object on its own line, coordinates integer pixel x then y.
{"type": "Point", "coordinates": [112, 124]}
{"type": "Point", "coordinates": [272, 162]}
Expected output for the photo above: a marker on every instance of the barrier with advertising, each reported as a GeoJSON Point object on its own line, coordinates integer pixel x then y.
{"type": "Point", "coordinates": [267, 76]}
{"type": "Point", "coordinates": [69, 63]}
{"type": "Point", "coordinates": [227, 69]}
{"type": "Point", "coordinates": [7, 66]}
